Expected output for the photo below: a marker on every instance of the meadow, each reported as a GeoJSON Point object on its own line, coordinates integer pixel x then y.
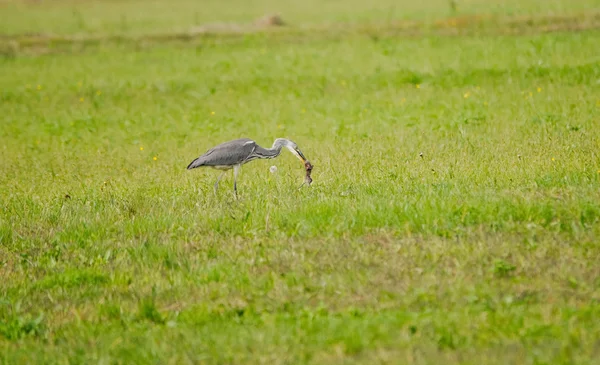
{"type": "Point", "coordinates": [453, 219]}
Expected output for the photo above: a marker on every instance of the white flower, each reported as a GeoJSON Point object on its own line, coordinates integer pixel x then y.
{"type": "Point", "coordinates": [273, 169]}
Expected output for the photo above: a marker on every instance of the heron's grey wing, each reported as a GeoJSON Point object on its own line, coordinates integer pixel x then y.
{"type": "Point", "coordinates": [226, 154]}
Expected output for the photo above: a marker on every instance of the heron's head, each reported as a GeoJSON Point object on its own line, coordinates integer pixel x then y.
{"type": "Point", "coordinates": [293, 147]}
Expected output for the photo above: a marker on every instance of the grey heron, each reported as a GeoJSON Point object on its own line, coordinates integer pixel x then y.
{"type": "Point", "coordinates": [233, 154]}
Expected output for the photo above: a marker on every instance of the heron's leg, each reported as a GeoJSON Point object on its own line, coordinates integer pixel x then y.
{"type": "Point", "coordinates": [217, 183]}
{"type": "Point", "coordinates": [236, 171]}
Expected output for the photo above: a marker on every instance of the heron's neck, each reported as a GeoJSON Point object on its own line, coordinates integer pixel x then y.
{"type": "Point", "coordinates": [275, 150]}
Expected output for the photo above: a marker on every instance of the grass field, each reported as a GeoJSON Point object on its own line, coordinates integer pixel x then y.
{"type": "Point", "coordinates": [454, 216]}
{"type": "Point", "coordinates": [152, 16]}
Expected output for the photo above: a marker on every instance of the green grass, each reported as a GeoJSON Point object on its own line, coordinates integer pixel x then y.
{"type": "Point", "coordinates": [157, 16]}
{"type": "Point", "coordinates": [454, 215]}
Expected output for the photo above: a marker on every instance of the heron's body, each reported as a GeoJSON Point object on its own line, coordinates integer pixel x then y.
{"type": "Point", "coordinates": [233, 154]}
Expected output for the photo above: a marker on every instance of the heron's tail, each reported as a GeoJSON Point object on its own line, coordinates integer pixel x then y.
{"type": "Point", "coordinates": [194, 164]}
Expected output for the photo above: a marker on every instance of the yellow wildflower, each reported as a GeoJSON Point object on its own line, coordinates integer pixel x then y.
{"type": "Point", "coordinates": [212, 113]}
{"type": "Point", "coordinates": [155, 158]}
{"type": "Point", "coordinates": [418, 86]}
{"type": "Point", "coordinates": [141, 148]}
{"type": "Point", "coordinates": [539, 89]}
{"type": "Point", "coordinates": [81, 100]}
{"type": "Point", "coordinates": [466, 95]}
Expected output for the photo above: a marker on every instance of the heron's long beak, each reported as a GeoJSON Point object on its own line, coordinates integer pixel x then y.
{"type": "Point", "coordinates": [300, 155]}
